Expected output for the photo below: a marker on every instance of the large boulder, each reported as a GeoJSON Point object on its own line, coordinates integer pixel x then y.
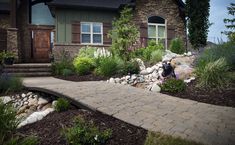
{"type": "Point", "coordinates": [183, 72]}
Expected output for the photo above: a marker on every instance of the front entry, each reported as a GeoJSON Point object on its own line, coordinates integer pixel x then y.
{"type": "Point", "coordinates": [41, 44]}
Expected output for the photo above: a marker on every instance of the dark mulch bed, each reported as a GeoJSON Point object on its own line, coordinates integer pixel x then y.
{"type": "Point", "coordinates": [77, 78]}
{"type": "Point", "coordinates": [49, 129]}
{"type": "Point", "coordinates": [222, 98]}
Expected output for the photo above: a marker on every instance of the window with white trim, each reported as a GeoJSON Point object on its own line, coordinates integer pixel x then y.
{"type": "Point", "coordinates": [157, 30]}
{"type": "Point", "coordinates": [91, 33]}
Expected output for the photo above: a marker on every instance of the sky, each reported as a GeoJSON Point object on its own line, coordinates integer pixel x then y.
{"type": "Point", "coordinates": [218, 11]}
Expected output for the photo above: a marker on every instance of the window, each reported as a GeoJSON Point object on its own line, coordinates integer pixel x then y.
{"type": "Point", "coordinates": [91, 33]}
{"type": "Point", "coordinates": [157, 30]}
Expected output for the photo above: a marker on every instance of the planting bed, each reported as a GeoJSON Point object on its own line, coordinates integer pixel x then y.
{"type": "Point", "coordinates": [48, 130]}
{"type": "Point", "coordinates": [223, 98]}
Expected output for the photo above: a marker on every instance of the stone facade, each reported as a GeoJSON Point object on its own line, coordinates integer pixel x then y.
{"type": "Point", "coordinates": [70, 50]}
{"type": "Point", "coordinates": [12, 43]}
{"type": "Point", "coordinates": [167, 9]}
{"type": "Point", "coordinates": [4, 21]}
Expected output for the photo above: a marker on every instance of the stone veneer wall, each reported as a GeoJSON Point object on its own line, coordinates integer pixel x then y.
{"type": "Point", "coordinates": [4, 21]}
{"type": "Point", "coordinates": [70, 50]}
{"type": "Point", "coordinates": [12, 43]}
{"type": "Point", "coordinates": [24, 34]}
{"type": "Point", "coordinates": [167, 9]}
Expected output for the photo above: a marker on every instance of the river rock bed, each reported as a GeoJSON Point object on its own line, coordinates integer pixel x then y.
{"type": "Point", "coordinates": [31, 107]}
{"type": "Point", "coordinates": [151, 77]}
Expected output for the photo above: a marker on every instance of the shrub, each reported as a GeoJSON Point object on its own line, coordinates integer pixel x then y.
{"type": "Point", "coordinates": [131, 67]}
{"type": "Point", "coordinates": [8, 121]}
{"type": "Point", "coordinates": [87, 52]}
{"type": "Point", "coordinates": [225, 50]}
{"type": "Point", "coordinates": [85, 133]}
{"type": "Point", "coordinates": [173, 86]}
{"type": "Point", "coordinates": [62, 105]}
{"type": "Point", "coordinates": [156, 56]}
{"type": "Point", "coordinates": [30, 140]}
{"type": "Point", "coordinates": [67, 72]}
{"type": "Point", "coordinates": [83, 65]}
{"type": "Point", "coordinates": [214, 74]}
{"type": "Point", "coordinates": [152, 46]}
{"type": "Point", "coordinates": [107, 66]}
{"type": "Point", "coordinates": [177, 46]}
{"type": "Point", "coordinates": [10, 83]}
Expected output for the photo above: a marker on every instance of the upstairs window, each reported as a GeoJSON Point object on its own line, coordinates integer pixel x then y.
{"type": "Point", "coordinates": [157, 29]}
{"type": "Point", "coordinates": [91, 33]}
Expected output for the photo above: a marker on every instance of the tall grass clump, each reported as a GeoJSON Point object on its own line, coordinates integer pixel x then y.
{"type": "Point", "coordinates": [107, 66]}
{"type": "Point", "coordinates": [9, 83]}
{"type": "Point", "coordinates": [214, 74]}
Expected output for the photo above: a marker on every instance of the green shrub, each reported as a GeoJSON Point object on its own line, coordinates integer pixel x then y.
{"type": "Point", "coordinates": [10, 83]}
{"type": "Point", "coordinates": [62, 105]}
{"type": "Point", "coordinates": [107, 66]}
{"type": "Point", "coordinates": [87, 52]}
{"type": "Point", "coordinates": [177, 46]}
{"type": "Point", "coordinates": [225, 50]}
{"type": "Point", "coordinates": [85, 133]}
{"type": "Point", "coordinates": [67, 72]}
{"type": "Point", "coordinates": [83, 65]}
{"type": "Point", "coordinates": [173, 86]}
{"type": "Point", "coordinates": [214, 74]}
{"type": "Point", "coordinates": [156, 56]}
{"type": "Point", "coordinates": [8, 121]}
{"type": "Point", "coordinates": [131, 67]}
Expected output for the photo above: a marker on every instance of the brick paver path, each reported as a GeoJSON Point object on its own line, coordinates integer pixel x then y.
{"type": "Point", "coordinates": [208, 124]}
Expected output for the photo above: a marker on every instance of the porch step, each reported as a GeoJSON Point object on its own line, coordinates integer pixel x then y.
{"type": "Point", "coordinates": [28, 70]}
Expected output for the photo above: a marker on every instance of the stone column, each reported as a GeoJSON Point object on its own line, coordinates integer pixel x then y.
{"type": "Point", "coordinates": [12, 42]}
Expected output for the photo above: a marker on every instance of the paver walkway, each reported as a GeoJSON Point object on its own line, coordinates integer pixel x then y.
{"type": "Point", "coordinates": [209, 124]}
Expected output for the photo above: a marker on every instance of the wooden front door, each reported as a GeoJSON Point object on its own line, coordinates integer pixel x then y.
{"type": "Point", "coordinates": [41, 45]}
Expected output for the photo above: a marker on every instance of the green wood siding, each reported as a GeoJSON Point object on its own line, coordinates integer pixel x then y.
{"type": "Point", "coordinates": [64, 18]}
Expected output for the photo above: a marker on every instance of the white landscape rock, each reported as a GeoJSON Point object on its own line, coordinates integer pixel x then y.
{"type": "Point", "coordinates": [42, 101]}
{"type": "Point", "coordinates": [36, 116]}
{"type": "Point", "coordinates": [111, 80]}
{"type": "Point", "coordinates": [155, 88]}
{"type": "Point", "coordinates": [6, 99]}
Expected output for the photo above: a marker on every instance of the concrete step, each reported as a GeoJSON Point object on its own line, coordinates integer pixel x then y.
{"type": "Point", "coordinates": [28, 70]}
{"type": "Point", "coordinates": [30, 74]}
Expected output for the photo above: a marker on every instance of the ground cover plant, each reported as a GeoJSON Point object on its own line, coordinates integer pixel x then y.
{"type": "Point", "coordinates": [85, 133]}
{"type": "Point", "coordinates": [177, 46]}
{"type": "Point", "coordinates": [173, 86]}
{"type": "Point", "coordinates": [62, 105]}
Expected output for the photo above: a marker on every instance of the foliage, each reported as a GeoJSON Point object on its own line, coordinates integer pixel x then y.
{"type": "Point", "coordinates": [8, 121]}
{"type": "Point", "coordinates": [130, 67]}
{"type": "Point", "coordinates": [124, 34]}
{"type": "Point", "coordinates": [7, 54]}
{"type": "Point", "coordinates": [156, 56]}
{"type": "Point", "coordinates": [83, 65]}
{"type": "Point", "coordinates": [67, 72]}
{"type": "Point", "coordinates": [225, 50]}
{"type": "Point", "coordinates": [107, 66]}
{"type": "Point", "coordinates": [62, 105]}
{"type": "Point", "coordinates": [87, 52]}
{"type": "Point", "coordinates": [173, 86]}
{"type": "Point", "coordinates": [198, 21]}
{"type": "Point", "coordinates": [64, 63]}
{"type": "Point", "coordinates": [177, 46]}
{"type": "Point", "coordinates": [229, 23]}
{"type": "Point", "coordinates": [160, 139]}
{"type": "Point", "coordinates": [10, 83]}
{"type": "Point", "coordinates": [214, 74]}
{"type": "Point", "coordinates": [31, 140]}
{"type": "Point", "coordinates": [85, 133]}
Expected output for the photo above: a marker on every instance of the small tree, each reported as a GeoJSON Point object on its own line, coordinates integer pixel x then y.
{"type": "Point", "coordinates": [229, 23]}
{"type": "Point", "coordinates": [197, 12]}
{"type": "Point", "coordinates": [124, 34]}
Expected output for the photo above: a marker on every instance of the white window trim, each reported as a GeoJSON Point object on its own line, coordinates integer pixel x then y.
{"type": "Point", "coordinates": [91, 33]}
{"type": "Point", "coordinates": [157, 37]}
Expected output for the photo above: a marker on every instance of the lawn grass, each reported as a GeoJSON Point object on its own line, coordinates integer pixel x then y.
{"type": "Point", "coordinates": [160, 139]}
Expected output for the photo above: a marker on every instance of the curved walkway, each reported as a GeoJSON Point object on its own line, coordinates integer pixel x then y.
{"type": "Point", "coordinates": [208, 124]}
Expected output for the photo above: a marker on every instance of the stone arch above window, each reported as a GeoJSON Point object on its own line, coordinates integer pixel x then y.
{"type": "Point", "coordinates": [156, 19]}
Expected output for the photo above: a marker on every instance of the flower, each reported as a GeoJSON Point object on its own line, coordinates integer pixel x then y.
{"type": "Point", "coordinates": [96, 137]}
